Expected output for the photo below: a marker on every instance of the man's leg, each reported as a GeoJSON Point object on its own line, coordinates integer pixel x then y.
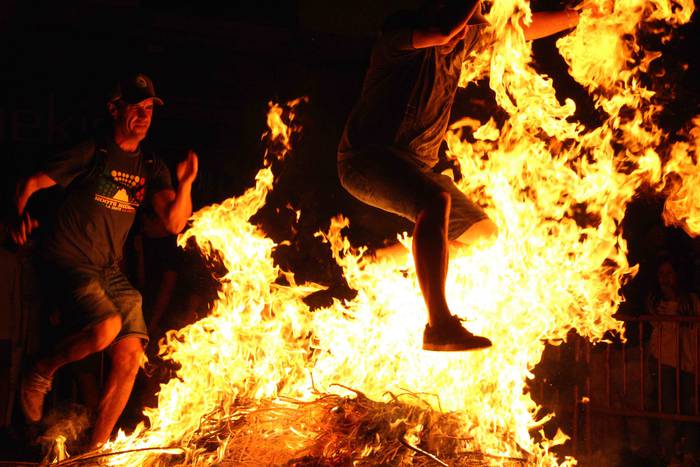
{"type": "Point", "coordinates": [391, 182]}
{"type": "Point", "coordinates": [80, 345]}
{"type": "Point", "coordinates": [467, 224]}
{"type": "Point", "coordinates": [125, 355]}
{"type": "Point", "coordinates": [430, 254]}
{"type": "Point", "coordinates": [395, 251]}
{"type": "Point", "coordinates": [37, 383]}
{"type": "Point", "coordinates": [482, 230]}
{"type": "Point", "coordinates": [444, 331]}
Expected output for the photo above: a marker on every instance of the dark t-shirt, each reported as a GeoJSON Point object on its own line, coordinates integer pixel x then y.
{"type": "Point", "coordinates": [408, 93]}
{"type": "Point", "coordinates": [104, 187]}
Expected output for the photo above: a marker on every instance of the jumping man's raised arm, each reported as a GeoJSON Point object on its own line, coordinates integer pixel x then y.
{"type": "Point", "coordinates": [546, 23]}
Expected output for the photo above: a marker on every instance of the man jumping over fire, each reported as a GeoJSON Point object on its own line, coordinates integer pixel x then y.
{"type": "Point", "coordinates": [391, 140]}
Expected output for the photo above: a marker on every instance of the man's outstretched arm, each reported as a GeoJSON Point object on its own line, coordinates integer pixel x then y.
{"type": "Point", "coordinates": [453, 24]}
{"type": "Point", "coordinates": [546, 23]}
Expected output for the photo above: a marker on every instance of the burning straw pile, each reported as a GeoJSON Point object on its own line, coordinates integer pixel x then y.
{"type": "Point", "coordinates": [332, 430]}
{"type": "Point", "coordinates": [336, 430]}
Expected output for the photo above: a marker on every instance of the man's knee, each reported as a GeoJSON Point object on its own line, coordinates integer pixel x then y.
{"type": "Point", "coordinates": [483, 230]}
{"type": "Point", "coordinates": [127, 355]}
{"type": "Point", "coordinates": [104, 332]}
{"type": "Point", "coordinates": [487, 229]}
{"type": "Point", "coordinates": [437, 206]}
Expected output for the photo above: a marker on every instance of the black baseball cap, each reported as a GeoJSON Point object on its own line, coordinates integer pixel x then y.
{"type": "Point", "coordinates": [135, 88]}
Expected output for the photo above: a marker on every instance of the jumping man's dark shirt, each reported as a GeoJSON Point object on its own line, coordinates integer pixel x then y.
{"type": "Point", "coordinates": [104, 187]}
{"type": "Point", "coordinates": [408, 93]}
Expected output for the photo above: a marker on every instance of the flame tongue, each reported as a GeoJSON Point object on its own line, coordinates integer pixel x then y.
{"type": "Point", "coordinates": [558, 192]}
{"type": "Point", "coordinates": [682, 183]}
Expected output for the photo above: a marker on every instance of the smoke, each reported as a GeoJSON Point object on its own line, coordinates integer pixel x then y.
{"type": "Point", "coordinates": [65, 426]}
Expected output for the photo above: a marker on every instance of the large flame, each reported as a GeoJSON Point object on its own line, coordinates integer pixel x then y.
{"type": "Point", "coordinates": [558, 192]}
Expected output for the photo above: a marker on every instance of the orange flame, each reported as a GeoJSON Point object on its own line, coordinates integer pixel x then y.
{"type": "Point", "coordinates": [682, 179]}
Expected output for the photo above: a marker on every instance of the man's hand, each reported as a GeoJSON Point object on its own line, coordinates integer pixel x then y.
{"type": "Point", "coordinates": [187, 169]}
{"type": "Point", "coordinates": [23, 228]}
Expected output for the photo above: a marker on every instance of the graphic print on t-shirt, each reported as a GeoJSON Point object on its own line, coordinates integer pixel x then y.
{"type": "Point", "coordinates": [120, 191]}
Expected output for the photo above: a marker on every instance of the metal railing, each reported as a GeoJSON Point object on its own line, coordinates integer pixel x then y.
{"type": "Point", "coordinates": [625, 379]}
{"type": "Point", "coordinates": [688, 340]}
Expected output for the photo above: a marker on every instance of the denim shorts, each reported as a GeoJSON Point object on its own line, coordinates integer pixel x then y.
{"type": "Point", "coordinates": [391, 179]}
{"type": "Point", "coordinates": [87, 295]}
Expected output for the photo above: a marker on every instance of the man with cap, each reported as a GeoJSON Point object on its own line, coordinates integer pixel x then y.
{"type": "Point", "coordinates": [105, 178]}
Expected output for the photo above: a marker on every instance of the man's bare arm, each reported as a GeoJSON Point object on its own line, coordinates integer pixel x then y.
{"type": "Point", "coordinates": [175, 207]}
{"type": "Point", "coordinates": [546, 23]}
{"type": "Point", "coordinates": [24, 225]}
{"type": "Point", "coordinates": [440, 35]}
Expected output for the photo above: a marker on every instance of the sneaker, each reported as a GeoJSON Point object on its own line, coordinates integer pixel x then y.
{"type": "Point", "coordinates": [452, 337]}
{"type": "Point", "coordinates": [33, 389]}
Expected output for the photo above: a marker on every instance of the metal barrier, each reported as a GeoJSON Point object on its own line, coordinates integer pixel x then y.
{"type": "Point", "coordinates": [639, 374]}
{"type": "Point", "coordinates": [583, 383]}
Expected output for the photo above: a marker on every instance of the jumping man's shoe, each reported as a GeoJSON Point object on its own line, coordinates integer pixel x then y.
{"type": "Point", "coordinates": [452, 337]}
{"type": "Point", "coordinates": [33, 389]}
